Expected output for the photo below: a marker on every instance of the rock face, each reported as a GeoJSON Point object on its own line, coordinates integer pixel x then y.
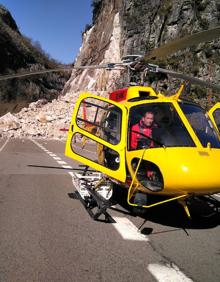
{"type": "Point", "coordinates": [17, 54]}
{"type": "Point", "coordinates": [101, 44]}
{"type": "Point", "coordinates": [123, 27]}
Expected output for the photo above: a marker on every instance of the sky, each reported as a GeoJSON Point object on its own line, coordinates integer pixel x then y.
{"type": "Point", "coordinates": [56, 24]}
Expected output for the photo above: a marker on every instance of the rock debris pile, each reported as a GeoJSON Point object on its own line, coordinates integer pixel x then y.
{"type": "Point", "coordinates": [41, 119]}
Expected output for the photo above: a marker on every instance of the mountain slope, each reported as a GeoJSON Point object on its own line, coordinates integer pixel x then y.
{"type": "Point", "coordinates": [17, 54]}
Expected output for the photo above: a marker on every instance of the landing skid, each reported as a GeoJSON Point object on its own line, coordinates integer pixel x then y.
{"type": "Point", "coordinates": [94, 193]}
{"type": "Point", "coordinates": [101, 209]}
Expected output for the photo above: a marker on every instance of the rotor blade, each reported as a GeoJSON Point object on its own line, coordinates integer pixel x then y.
{"type": "Point", "coordinates": [17, 75]}
{"type": "Point", "coordinates": [182, 43]}
{"type": "Point", "coordinates": [30, 73]}
{"type": "Point", "coordinates": [193, 80]}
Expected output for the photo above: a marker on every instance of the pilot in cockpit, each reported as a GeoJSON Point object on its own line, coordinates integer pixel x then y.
{"type": "Point", "coordinates": [144, 126]}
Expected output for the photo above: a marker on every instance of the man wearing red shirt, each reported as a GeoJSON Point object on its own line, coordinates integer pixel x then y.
{"type": "Point", "coordinates": [145, 127]}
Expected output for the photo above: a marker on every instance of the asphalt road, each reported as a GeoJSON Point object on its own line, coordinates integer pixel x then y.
{"type": "Point", "coordinates": [46, 235]}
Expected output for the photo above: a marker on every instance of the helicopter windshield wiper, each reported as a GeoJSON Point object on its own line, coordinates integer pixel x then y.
{"type": "Point", "coordinates": [150, 138]}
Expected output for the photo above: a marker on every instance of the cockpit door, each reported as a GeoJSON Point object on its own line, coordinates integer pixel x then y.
{"type": "Point", "coordinates": [214, 114]}
{"type": "Point", "coordinates": [97, 135]}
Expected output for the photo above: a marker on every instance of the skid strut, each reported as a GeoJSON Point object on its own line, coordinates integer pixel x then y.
{"type": "Point", "coordinates": [94, 193]}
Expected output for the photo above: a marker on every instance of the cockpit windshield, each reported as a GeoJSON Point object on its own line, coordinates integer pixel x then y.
{"type": "Point", "coordinates": [156, 125]}
{"type": "Point", "coordinates": [216, 115]}
{"type": "Point", "coordinates": [201, 125]}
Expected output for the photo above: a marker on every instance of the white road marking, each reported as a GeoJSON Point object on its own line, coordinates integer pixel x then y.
{"type": "Point", "coordinates": [66, 166]}
{"type": "Point", "coordinates": [52, 155]}
{"type": "Point", "coordinates": [62, 162]}
{"type": "Point", "coordinates": [3, 146]}
{"type": "Point", "coordinates": [56, 158]}
{"type": "Point", "coordinates": [35, 142]}
{"type": "Point", "coordinates": [217, 195]}
{"type": "Point", "coordinates": [128, 230]}
{"type": "Point", "coordinates": [167, 273]}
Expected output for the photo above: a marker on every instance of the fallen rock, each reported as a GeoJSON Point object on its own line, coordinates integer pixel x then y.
{"type": "Point", "coordinates": [41, 117]}
{"type": "Point", "coordinates": [8, 122]}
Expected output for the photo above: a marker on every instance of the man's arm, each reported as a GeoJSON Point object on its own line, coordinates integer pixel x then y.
{"type": "Point", "coordinates": [134, 139]}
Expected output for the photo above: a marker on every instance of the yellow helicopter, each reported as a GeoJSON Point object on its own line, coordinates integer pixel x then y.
{"type": "Point", "coordinates": [176, 154]}
{"type": "Point", "coordinates": [179, 159]}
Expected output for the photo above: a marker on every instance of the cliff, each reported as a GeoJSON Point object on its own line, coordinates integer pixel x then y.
{"type": "Point", "coordinates": [17, 53]}
{"type": "Point", "coordinates": [101, 44]}
{"type": "Point", "coordinates": [136, 26]}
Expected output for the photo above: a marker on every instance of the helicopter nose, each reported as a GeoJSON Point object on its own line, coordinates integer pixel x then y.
{"type": "Point", "coordinates": [193, 171]}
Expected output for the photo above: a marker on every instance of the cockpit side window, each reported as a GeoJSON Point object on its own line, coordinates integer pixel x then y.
{"type": "Point", "coordinates": [101, 119]}
{"type": "Point", "coordinates": [201, 125]}
{"type": "Point", "coordinates": [166, 128]}
{"type": "Point", "coordinates": [216, 116]}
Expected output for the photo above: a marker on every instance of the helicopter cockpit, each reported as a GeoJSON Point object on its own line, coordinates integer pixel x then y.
{"type": "Point", "coordinates": [169, 129]}
{"type": "Point", "coordinates": [175, 124]}
{"type": "Point", "coordinates": [201, 125]}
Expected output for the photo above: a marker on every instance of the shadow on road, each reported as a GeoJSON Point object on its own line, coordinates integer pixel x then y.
{"type": "Point", "coordinates": [205, 212]}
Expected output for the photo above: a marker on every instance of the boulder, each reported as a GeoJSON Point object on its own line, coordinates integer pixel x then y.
{"type": "Point", "coordinates": [41, 117]}
{"type": "Point", "coordinates": [8, 122]}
